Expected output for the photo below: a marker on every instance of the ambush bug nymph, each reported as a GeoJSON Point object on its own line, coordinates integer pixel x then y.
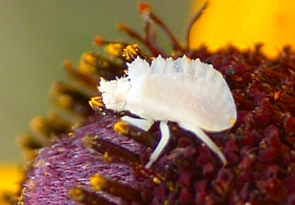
{"type": "Point", "coordinates": [188, 92]}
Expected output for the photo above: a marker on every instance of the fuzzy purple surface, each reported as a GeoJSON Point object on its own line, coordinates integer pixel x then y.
{"type": "Point", "coordinates": [68, 163]}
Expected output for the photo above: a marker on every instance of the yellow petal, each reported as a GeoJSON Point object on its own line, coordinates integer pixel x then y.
{"type": "Point", "coordinates": [244, 23]}
{"type": "Point", "coordinates": [10, 178]}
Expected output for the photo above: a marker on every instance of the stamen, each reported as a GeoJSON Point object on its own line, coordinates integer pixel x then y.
{"type": "Point", "coordinates": [103, 146]}
{"type": "Point", "coordinates": [194, 19]}
{"type": "Point", "coordinates": [86, 197]}
{"type": "Point", "coordinates": [45, 127]}
{"type": "Point", "coordinates": [114, 49]}
{"type": "Point", "coordinates": [27, 141]}
{"type": "Point", "coordinates": [126, 52]}
{"type": "Point", "coordinates": [99, 183]}
{"type": "Point", "coordinates": [96, 103]}
{"type": "Point", "coordinates": [87, 79]}
{"type": "Point", "coordinates": [149, 37]}
{"type": "Point", "coordinates": [41, 130]}
{"type": "Point", "coordinates": [95, 64]}
{"type": "Point", "coordinates": [98, 41]}
{"type": "Point", "coordinates": [132, 51]}
{"type": "Point", "coordinates": [69, 98]}
{"type": "Point", "coordinates": [145, 9]}
{"type": "Point", "coordinates": [175, 42]}
{"type": "Point", "coordinates": [130, 32]}
{"type": "Point", "coordinates": [136, 133]}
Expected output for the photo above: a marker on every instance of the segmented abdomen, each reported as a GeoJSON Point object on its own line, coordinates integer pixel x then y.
{"type": "Point", "coordinates": [181, 90]}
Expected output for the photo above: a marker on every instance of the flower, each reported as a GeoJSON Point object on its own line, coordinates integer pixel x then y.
{"type": "Point", "coordinates": [11, 177]}
{"type": "Point", "coordinates": [101, 160]}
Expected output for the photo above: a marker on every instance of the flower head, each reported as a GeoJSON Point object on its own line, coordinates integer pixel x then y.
{"type": "Point", "coordinates": [101, 160]}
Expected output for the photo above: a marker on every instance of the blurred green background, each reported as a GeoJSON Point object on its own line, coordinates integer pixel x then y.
{"type": "Point", "coordinates": [37, 36]}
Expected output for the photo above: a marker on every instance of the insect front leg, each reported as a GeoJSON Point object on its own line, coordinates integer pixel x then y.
{"type": "Point", "coordinates": [205, 138]}
{"type": "Point", "coordinates": [142, 123]}
{"type": "Point", "coordinates": [165, 135]}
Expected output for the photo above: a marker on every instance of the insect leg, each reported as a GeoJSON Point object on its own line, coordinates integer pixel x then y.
{"type": "Point", "coordinates": [141, 123]}
{"type": "Point", "coordinates": [165, 135]}
{"type": "Point", "coordinates": [205, 138]}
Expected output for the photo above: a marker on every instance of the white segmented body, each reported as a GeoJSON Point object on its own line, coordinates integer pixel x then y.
{"type": "Point", "coordinates": [188, 92]}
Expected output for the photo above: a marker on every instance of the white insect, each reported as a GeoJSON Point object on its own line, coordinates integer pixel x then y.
{"type": "Point", "coordinates": [188, 92]}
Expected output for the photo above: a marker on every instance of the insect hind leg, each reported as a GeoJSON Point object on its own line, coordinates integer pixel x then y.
{"type": "Point", "coordinates": [204, 138]}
